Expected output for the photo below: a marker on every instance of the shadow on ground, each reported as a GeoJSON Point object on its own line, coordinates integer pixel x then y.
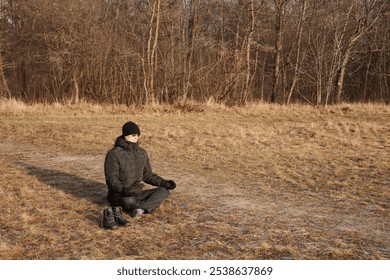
{"type": "Point", "coordinates": [72, 184]}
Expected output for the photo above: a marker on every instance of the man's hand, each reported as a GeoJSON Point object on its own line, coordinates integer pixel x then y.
{"type": "Point", "coordinates": [128, 191]}
{"type": "Point", "coordinates": [134, 189]}
{"type": "Point", "coordinates": [169, 185]}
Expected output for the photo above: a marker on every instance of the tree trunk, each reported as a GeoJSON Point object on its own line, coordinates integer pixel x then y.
{"type": "Point", "coordinates": [192, 28]}
{"type": "Point", "coordinates": [248, 78]}
{"type": "Point", "coordinates": [152, 51]}
{"type": "Point", "coordinates": [297, 59]}
{"type": "Point", "coordinates": [277, 87]}
{"type": "Point", "coordinates": [3, 78]}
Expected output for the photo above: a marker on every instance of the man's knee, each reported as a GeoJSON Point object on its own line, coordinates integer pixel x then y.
{"type": "Point", "coordinates": [163, 193]}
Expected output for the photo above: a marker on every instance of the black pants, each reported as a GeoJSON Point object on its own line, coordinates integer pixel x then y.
{"type": "Point", "coordinates": [147, 200]}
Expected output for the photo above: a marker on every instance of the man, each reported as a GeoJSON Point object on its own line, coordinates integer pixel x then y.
{"type": "Point", "coordinates": [126, 166]}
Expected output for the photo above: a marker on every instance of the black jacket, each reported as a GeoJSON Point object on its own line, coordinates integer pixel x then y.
{"type": "Point", "coordinates": [125, 167]}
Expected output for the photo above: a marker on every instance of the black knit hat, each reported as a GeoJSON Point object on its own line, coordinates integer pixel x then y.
{"type": "Point", "coordinates": [130, 128]}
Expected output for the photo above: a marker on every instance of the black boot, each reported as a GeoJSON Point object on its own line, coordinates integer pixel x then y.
{"type": "Point", "coordinates": [120, 220]}
{"type": "Point", "coordinates": [109, 221]}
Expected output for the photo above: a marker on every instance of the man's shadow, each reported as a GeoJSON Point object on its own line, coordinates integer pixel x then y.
{"type": "Point", "coordinates": [78, 187]}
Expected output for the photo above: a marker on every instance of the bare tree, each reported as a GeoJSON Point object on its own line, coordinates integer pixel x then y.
{"type": "Point", "coordinates": [152, 57]}
{"type": "Point", "coordinates": [278, 82]}
{"type": "Point", "coordinates": [296, 63]}
{"type": "Point", "coordinates": [249, 42]}
{"type": "Point", "coordinates": [365, 17]}
{"type": "Point", "coordinates": [4, 89]}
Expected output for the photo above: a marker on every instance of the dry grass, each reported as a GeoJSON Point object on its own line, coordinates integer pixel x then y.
{"type": "Point", "coordinates": [260, 182]}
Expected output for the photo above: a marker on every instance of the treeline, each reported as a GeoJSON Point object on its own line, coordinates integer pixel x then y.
{"type": "Point", "coordinates": [168, 51]}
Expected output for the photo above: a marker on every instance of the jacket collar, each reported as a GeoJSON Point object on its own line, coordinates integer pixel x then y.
{"type": "Point", "coordinates": [121, 142]}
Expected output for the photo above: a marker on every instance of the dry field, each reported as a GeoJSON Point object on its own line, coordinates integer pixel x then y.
{"type": "Point", "coordinates": [261, 182]}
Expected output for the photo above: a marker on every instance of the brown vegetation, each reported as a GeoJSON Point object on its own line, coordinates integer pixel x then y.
{"type": "Point", "coordinates": [234, 52]}
{"type": "Point", "coordinates": [260, 182]}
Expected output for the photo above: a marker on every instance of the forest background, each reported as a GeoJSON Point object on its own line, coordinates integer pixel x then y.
{"type": "Point", "coordinates": [169, 52]}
